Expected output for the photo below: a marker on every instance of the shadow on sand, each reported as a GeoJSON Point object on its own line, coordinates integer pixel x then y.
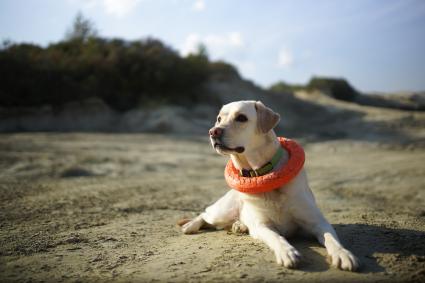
{"type": "Point", "coordinates": [370, 243]}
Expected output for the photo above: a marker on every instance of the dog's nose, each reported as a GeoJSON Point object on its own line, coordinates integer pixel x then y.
{"type": "Point", "coordinates": [216, 132]}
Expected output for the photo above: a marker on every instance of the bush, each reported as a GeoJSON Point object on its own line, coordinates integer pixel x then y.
{"type": "Point", "coordinates": [285, 87]}
{"type": "Point", "coordinates": [223, 70]}
{"type": "Point", "coordinates": [122, 73]}
{"type": "Point", "coordinates": [337, 88]}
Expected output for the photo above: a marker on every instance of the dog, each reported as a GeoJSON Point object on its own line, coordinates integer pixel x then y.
{"type": "Point", "coordinates": [244, 131]}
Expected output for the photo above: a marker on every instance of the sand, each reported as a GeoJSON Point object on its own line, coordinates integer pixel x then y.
{"type": "Point", "coordinates": [103, 207]}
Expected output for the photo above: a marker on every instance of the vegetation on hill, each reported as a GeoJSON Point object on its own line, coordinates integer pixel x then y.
{"type": "Point", "coordinates": [126, 74]}
{"type": "Point", "coordinates": [340, 89]}
{"type": "Point", "coordinates": [122, 73]}
{"type": "Point", "coordinates": [336, 87]}
{"type": "Point", "coordinates": [282, 86]}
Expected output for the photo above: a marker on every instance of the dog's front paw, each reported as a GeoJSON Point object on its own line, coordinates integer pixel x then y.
{"type": "Point", "coordinates": [289, 257]}
{"type": "Point", "coordinates": [193, 225]}
{"type": "Point", "coordinates": [239, 228]}
{"type": "Point", "coordinates": [344, 260]}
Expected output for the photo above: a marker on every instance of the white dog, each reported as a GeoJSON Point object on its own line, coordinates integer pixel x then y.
{"type": "Point", "coordinates": [244, 130]}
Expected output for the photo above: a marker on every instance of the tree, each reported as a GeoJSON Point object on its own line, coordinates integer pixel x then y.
{"type": "Point", "coordinates": [6, 43]}
{"type": "Point", "coordinates": [82, 29]}
{"type": "Point", "coordinates": [202, 51]}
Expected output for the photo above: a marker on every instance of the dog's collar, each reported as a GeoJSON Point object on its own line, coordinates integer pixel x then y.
{"type": "Point", "coordinates": [266, 168]}
{"type": "Point", "coordinates": [273, 180]}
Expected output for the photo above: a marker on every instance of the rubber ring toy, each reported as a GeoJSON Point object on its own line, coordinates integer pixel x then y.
{"type": "Point", "coordinates": [270, 181]}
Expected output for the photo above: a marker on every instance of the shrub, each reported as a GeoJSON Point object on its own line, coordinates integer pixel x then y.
{"type": "Point", "coordinates": [285, 87]}
{"type": "Point", "coordinates": [337, 88]}
{"type": "Point", "coordinates": [122, 73]}
{"type": "Point", "coordinates": [223, 70]}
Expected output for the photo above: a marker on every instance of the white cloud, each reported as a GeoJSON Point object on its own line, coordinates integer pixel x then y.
{"type": "Point", "coordinates": [190, 44]}
{"type": "Point", "coordinates": [119, 8]}
{"type": "Point", "coordinates": [235, 39]}
{"type": "Point", "coordinates": [247, 68]}
{"type": "Point", "coordinates": [285, 58]}
{"type": "Point", "coordinates": [217, 44]}
{"type": "Point", "coordinates": [87, 4]}
{"type": "Point", "coordinates": [198, 5]}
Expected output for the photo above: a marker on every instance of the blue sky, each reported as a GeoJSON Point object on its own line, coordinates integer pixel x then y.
{"type": "Point", "coordinates": [378, 45]}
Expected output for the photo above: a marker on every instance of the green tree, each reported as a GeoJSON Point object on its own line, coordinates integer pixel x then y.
{"type": "Point", "coordinates": [82, 29]}
{"type": "Point", "coordinates": [202, 51]}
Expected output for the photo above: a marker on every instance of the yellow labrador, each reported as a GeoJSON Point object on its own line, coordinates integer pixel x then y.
{"type": "Point", "coordinates": [244, 131]}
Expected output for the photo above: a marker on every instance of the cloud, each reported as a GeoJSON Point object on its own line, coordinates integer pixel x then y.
{"type": "Point", "coordinates": [217, 44]}
{"type": "Point", "coordinates": [191, 44]}
{"type": "Point", "coordinates": [285, 58]}
{"type": "Point", "coordinates": [235, 39]}
{"type": "Point", "coordinates": [87, 4]}
{"type": "Point", "coordinates": [198, 5]}
{"type": "Point", "coordinates": [119, 8]}
{"type": "Point", "coordinates": [247, 68]}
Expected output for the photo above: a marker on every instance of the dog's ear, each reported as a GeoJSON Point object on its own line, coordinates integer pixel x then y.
{"type": "Point", "coordinates": [267, 119]}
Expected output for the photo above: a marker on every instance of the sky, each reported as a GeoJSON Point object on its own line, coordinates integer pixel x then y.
{"type": "Point", "coordinates": [377, 45]}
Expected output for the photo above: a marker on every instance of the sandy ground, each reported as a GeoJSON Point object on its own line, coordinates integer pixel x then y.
{"type": "Point", "coordinates": [79, 207]}
{"type": "Point", "coordinates": [103, 207]}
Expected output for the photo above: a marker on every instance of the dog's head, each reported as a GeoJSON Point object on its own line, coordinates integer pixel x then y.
{"type": "Point", "coordinates": [242, 125]}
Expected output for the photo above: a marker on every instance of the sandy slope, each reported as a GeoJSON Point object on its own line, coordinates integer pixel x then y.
{"type": "Point", "coordinates": [103, 207]}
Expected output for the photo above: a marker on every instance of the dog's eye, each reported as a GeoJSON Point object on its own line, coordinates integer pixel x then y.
{"type": "Point", "coordinates": [219, 119]}
{"type": "Point", "coordinates": [241, 118]}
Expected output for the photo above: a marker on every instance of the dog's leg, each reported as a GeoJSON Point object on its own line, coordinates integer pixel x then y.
{"type": "Point", "coordinates": [221, 214]}
{"type": "Point", "coordinates": [193, 226]}
{"type": "Point", "coordinates": [341, 257]}
{"type": "Point", "coordinates": [286, 254]}
{"type": "Point", "coordinates": [312, 220]}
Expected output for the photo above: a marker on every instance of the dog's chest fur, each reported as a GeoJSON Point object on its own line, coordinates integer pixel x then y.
{"type": "Point", "coordinates": [271, 208]}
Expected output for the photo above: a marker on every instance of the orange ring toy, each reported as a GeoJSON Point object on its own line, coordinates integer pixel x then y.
{"type": "Point", "coordinates": [273, 180]}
